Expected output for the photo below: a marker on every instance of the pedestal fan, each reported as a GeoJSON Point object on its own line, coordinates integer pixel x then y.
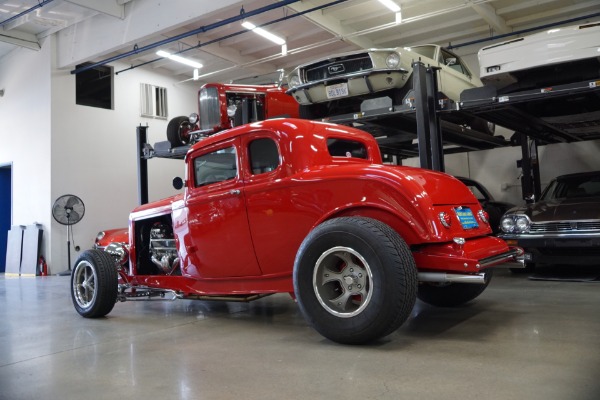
{"type": "Point", "coordinates": [68, 210]}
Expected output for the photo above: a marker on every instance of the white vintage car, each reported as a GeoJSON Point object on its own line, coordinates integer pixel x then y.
{"type": "Point", "coordinates": [339, 84]}
{"type": "Point", "coordinates": [556, 56]}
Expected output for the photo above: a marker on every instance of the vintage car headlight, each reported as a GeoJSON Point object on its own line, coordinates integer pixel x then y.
{"type": "Point", "coordinates": [119, 252]}
{"type": "Point", "coordinates": [293, 81]}
{"type": "Point", "coordinates": [193, 118]}
{"type": "Point", "coordinates": [392, 60]}
{"type": "Point", "coordinates": [231, 109]}
{"type": "Point", "coordinates": [522, 223]}
{"type": "Point", "coordinates": [100, 236]}
{"type": "Point", "coordinates": [514, 224]}
{"type": "Point", "coordinates": [507, 224]}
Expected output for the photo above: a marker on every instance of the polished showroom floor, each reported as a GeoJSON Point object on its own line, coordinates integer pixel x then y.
{"type": "Point", "coordinates": [521, 339]}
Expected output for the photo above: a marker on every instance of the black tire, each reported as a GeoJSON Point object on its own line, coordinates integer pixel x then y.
{"type": "Point", "coordinates": [481, 125]}
{"type": "Point", "coordinates": [451, 294]}
{"type": "Point", "coordinates": [94, 284]}
{"type": "Point", "coordinates": [176, 131]}
{"type": "Point", "coordinates": [355, 280]}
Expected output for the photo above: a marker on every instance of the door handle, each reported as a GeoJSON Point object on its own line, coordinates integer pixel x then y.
{"type": "Point", "coordinates": [234, 192]}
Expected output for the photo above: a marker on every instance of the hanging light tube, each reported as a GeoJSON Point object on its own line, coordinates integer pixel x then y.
{"type": "Point", "coordinates": [179, 59]}
{"type": "Point", "coordinates": [264, 33]}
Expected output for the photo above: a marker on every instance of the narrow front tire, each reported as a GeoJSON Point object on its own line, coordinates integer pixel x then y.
{"type": "Point", "coordinates": [94, 284]}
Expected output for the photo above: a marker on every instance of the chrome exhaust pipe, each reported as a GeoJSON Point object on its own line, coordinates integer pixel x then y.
{"type": "Point", "coordinates": [442, 277]}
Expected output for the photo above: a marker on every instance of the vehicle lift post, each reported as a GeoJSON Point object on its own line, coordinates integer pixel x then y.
{"type": "Point", "coordinates": [429, 133]}
{"type": "Point", "coordinates": [530, 166]}
{"type": "Point", "coordinates": [142, 162]}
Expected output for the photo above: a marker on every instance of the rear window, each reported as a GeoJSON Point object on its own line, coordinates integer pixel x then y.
{"type": "Point", "coordinates": [346, 148]}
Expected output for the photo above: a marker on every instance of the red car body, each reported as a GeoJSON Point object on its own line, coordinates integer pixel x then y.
{"type": "Point", "coordinates": [224, 106]}
{"type": "Point", "coordinates": [263, 102]}
{"type": "Point", "coordinates": [245, 233]}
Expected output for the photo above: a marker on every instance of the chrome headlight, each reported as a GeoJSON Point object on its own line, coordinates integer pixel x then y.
{"type": "Point", "coordinates": [518, 223]}
{"type": "Point", "coordinates": [231, 109]}
{"type": "Point", "coordinates": [99, 237]}
{"type": "Point", "coordinates": [293, 81]}
{"type": "Point", "coordinates": [522, 223]}
{"type": "Point", "coordinates": [119, 252]}
{"type": "Point", "coordinates": [392, 60]}
{"type": "Point", "coordinates": [507, 224]}
{"type": "Point", "coordinates": [193, 118]}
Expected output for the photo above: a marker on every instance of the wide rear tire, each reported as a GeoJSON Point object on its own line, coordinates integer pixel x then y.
{"type": "Point", "coordinates": [355, 280]}
{"type": "Point", "coordinates": [94, 284]}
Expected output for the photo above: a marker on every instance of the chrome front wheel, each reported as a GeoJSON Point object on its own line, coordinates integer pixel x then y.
{"type": "Point", "coordinates": [94, 284]}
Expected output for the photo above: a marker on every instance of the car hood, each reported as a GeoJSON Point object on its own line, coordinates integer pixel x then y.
{"type": "Point", "coordinates": [562, 209]}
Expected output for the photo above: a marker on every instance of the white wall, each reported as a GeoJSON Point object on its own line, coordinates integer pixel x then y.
{"type": "Point", "coordinates": [94, 153]}
{"type": "Point", "coordinates": [25, 113]}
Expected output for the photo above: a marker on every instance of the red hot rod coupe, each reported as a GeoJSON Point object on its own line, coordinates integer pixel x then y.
{"type": "Point", "coordinates": [306, 208]}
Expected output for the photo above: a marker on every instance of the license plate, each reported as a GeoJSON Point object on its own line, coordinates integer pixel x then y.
{"type": "Point", "coordinates": [337, 90]}
{"type": "Point", "coordinates": [466, 217]}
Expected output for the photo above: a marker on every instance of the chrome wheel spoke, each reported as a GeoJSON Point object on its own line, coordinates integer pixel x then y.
{"type": "Point", "coordinates": [342, 282]}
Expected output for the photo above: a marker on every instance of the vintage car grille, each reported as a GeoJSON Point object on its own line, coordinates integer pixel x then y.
{"type": "Point", "coordinates": [565, 227]}
{"type": "Point", "coordinates": [330, 69]}
{"type": "Point", "coordinates": [210, 112]}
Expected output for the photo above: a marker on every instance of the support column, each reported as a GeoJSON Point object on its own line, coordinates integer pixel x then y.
{"type": "Point", "coordinates": [142, 163]}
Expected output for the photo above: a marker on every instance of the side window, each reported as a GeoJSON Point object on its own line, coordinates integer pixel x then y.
{"type": "Point", "coordinates": [264, 156]}
{"type": "Point", "coordinates": [346, 148]}
{"type": "Point", "coordinates": [215, 167]}
{"type": "Point", "coordinates": [450, 60]}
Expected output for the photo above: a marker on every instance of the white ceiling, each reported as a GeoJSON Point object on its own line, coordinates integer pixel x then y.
{"type": "Point", "coordinates": [349, 25]}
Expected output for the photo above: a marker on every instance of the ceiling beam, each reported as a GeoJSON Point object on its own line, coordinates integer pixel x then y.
{"type": "Point", "coordinates": [19, 38]}
{"type": "Point", "coordinates": [96, 37]}
{"type": "Point", "coordinates": [330, 24]}
{"type": "Point", "coordinates": [489, 14]}
{"type": "Point", "coordinates": [108, 7]}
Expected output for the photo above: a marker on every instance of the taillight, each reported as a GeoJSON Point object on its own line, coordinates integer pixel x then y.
{"type": "Point", "coordinates": [484, 216]}
{"type": "Point", "coordinates": [445, 219]}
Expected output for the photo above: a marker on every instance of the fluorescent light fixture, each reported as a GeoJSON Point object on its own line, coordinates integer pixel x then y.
{"type": "Point", "coordinates": [266, 34]}
{"type": "Point", "coordinates": [391, 5]}
{"type": "Point", "coordinates": [399, 17]}
{"type": "Point", "coordinates": [174, 57]}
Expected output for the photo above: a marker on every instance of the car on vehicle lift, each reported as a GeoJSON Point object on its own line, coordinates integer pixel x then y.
{"type": "Point", "coordinates": [552, 57]}
{"type": "Point", "coordinates": [306, 208]}
{"type": "Point", "coordinates": [563, 226]}
{"type": "Point", "coordinates": [379, 78]}
{"type": "Point", "coordinates": [223, 106]}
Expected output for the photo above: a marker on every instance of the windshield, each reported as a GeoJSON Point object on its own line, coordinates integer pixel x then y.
{"type": "Point", "coordinates": [425, 50]}
{"type": "Point", "coordinates": [573, 187]}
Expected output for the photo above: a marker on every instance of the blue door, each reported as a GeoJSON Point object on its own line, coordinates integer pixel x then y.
{"type": "Point", "coordinates": [5, 212]}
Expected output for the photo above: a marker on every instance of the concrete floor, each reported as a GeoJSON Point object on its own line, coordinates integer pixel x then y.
{"type": "Point", "coordinates": [521, 339]}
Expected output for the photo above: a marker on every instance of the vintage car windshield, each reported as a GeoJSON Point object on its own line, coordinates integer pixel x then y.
{"type": "Point", "coordinates": [573, 187]}
{"type": "Point", "coordinates": [426, 51]}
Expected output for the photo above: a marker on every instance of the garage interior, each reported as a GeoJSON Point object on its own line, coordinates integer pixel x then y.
{"type": "Point", "coordinates": [522, 338]}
